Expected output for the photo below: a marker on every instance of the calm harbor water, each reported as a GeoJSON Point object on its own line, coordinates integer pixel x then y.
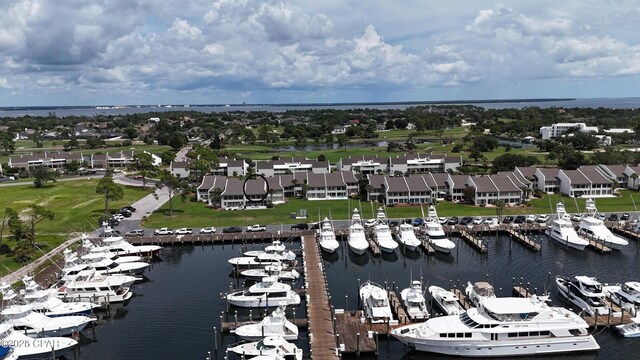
{"type": "Point", "coordinates": [173, 313]}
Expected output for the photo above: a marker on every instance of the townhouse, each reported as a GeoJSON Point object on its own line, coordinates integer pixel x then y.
{"type": "Point", "coordinates": [584, 182]}
{"type": "Point", "coordinates": [292, 165]}
{"type": "Point", "coordinates": [180, 169]}
{"type": "Point", "coordinates": [456, 185]}
{"type": "Point", "coordinates": [53, 160]}
{"type": "Point", "coordinates": [364, 164]}
{"type": "Point", "coordinates": [546, 179]}
{"type": "Point", "coordinates": [424, 163]}
{"type": "Point", "coordinates": [632, 174]}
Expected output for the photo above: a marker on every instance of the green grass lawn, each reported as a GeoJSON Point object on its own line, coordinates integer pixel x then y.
{"type": "Point", "coordinates": [76, 205]}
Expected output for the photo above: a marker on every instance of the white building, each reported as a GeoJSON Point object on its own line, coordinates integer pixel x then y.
{"type": "Point", "coordinates": [555, 130]}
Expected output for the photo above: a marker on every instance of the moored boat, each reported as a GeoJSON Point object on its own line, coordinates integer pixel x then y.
{"type": "Point", "coordinates": [357, 240]}
{"type": "Point", "coordinates": [275, 324]}
{"type": "Point", "coordinates": [434, 232]}
{"type": "Point", "coordinates": [414, 302]}
{"type": "Point", "coordinates": [24, 347]}
{"type": "Point", "coordinates": [375, 302]}
{"type": "Point", "coordinates": [269, 346]}
{"type": "Point", "coordinates": [584, 292]}
{"type": "Point", "coordinates": [382, 233]}
{"type": "Point", "coordinates": [327, 237]}
{"type": "Point", "coordinates": [446, 300]}
{"type": "Point", "coordinates": [267, 293]}
{"type": "Point", "coordinates": [407, 237]}
{"type": "Point", "coordinates": [562, 230]}
{"type": "Point", "coordinates": [592, 227]}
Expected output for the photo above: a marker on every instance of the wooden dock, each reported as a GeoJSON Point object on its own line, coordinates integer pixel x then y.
{"type": "Point", "coordinates": [523, 239]}
{"type": "Point", "coordinates": [626, 232]}
{"type": "Point", "coordinates": [427, 247]}
{"type": "Point", "coordinates": [615, 317]}
{"type": "Point", "coordinates": [398, 309]}
{"type": "Point", "coordinates": [522, 291]}
{"type": "Point", "coordinates": [322, 339]}
{"type": "Point", "coordinates": [598, 246]}
{"type": "Point", "coordinates": [353, 335]}
{"type": "Point", "coordinates": [475, 243]}
{"type": "Point", "coordinates": [462, 299]}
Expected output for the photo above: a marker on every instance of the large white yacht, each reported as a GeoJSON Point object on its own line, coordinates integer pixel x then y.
{"type": "Point", "coordinates": [562, 230]}
{"type": "Point", "coordinates": [375, 301]}
{"type": "Point", "coordinates": [382, 233]}
{"type": "Point", "coordinates": [97, 288]}
{"type": "Point", "coordinates": [25, 347]}
{"type": "Point", "coordinates": [414, 301]}
{"type": "Point", "coordinates": [276, 247]}
{"type": "Point", "coordinates": [327, 237]}
{"type": "Point", "coordinates": [34, 324]}
{"type": "Point", "coordinates": [270, 345]}
{"type": "Point", "coordinates": [90, 248]}
{"type": "Point", "coordinates": [446, 300]}
{"type": "Point", "coordinates": [275, 324]}
{"type": "Point", "coordinates": [267, 293]}
{"type": "Point", "coordinates": [263, 258]}
{"type": "Point", "coordinates": [504, 327]}
{"type": "Point", "coordinates": [435, 233]}
{"type": "Point", "coordinates": [357, 240]}
{"type": "Point", "coordinates": [584, 292]}
{"type": "Point", "coordinates": [117, 244]}
{"type": "Point", "coordinates": [627, 296]}
{"type": "Point", "coordinates": [102, 263]}
{"type": "Point", "coordinates": [407, 237]}
{"type": "Point", "coordinates": [276, 271]}
{"type": "Point", "coordinates": [592, 226]}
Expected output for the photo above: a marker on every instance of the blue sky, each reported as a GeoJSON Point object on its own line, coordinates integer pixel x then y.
{"type": "Point", "coordinates": [79, 52]}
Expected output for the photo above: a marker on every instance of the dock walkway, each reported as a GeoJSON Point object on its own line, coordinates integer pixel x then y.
{"type": "Point", "coordinates": [523, 239]}
{"type": "Point", "coordinates": [322, 338]}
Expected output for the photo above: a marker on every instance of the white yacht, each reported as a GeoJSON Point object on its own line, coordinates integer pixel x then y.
{"type": "Point", "coordinates": [34, 324]}
{"type": "Point", "coordinates": [25, 347]}
{"type": "Point", "coordinates": [262, 260]}
{"type": "Point", "coordinates": [88, 273]}
{"type": "Point", "coordinates": [382, 233]}
{"type": "Point", "coordinates": [584, 292]}
{"type": "Point", "coordinates": [435, 233]}
{"type": "Point", "coordinates": [592, 226]}
{"type": "Point", "coordinates": [97, 288]}
{"type": "Point", "coordinates": [275, 324]}
{"type": "Point", "coordinates": [503, 327]}
{"type": "Point", "coordinates": [414, 302]}
{"type": "Point", "coordinates": [631, 329]}
{"type": "Point", "coordinates": [407, 237]}
{"type": "Point", "coordinates": [446, 300]}
{"type": "Point", "coordinates": [102, 263]}
{"type": "Point", "coordinates": [117, 244]}
{"type": "Point", "coordinates": [562, 230]}
{"type": "Point", "coordinates": [478, 292]}
{"type": "Point", "coordinates": [276, 247]}
{"type": "Point", "coordinates": [375, 301]}
{"type": "Point", "coordinates": [627, 296]}
{"type": "Point", "coordinates": [327, 237]}
{"type": "Point", "coordinates": [276, 271]}
{"type": "Point", "coordinates": [267, 293]}
{"type": "Point", "coordinates": [270, 345]}
{"type": "Point", "coordinates": [357, 240]}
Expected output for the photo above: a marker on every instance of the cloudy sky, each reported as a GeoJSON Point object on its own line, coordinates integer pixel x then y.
{"type": "Point", "coordinates": [81, 52]}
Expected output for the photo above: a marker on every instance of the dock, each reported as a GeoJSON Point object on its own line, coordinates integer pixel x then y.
{"type": "Point", "coordinates": [398, 309]}
{"type": "Point", "coordinates": [626, 232]}
{"type": "Point", "coordinates": [322, 338]}
{"type": "Point", "coordinates": [523, 239]}
{"type": "Point", "coordinates": [616, 316]}
{"type": "Point", "coordinates": [462, 299]}
{"type": "Point", "coordinates": [476, 243]}
{"type": "Point", "coordinates": [427, 247]}
{"type": "Point", "coordinates": [355, 337]}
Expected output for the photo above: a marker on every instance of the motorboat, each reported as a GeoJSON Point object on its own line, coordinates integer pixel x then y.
{"type": "Point", "coordinates": [102, 263]}
{"type": "Point", "coordinates": [407, 237]}
{"type": "Point", "coordinates": [327, 237]}
{"type": "Point", "coordinates": [446, 300]}
{"type": "Point", "coordinates": [591, 226]}
{"type": "Point", "coordinates": [584, 292]}
{"type": "Point", "coordinates": [117, 244]}
{"type": "Point", "coordinates": [261, 261]}
{"type": "Point", "coordinates": [97, 288]}
{"type": "Point", "coordinates": [631, 329]}
{"type": "Point", "coordinates": [357, 240]}
{"type": "Point", "coordinates": [434, 232]}
{"type": "Point", "coordinates": [502, 327]}
{"type": "Point", "coordinates": [88, 273]}
{"type": "Point", "coordinates": [276, 271]}
{"type": "Point", "coordinates": [275, 324]}
{"type": "Point", "coordinates": [90, 248]}
{"type": "Point", "coordinates": [375, 302]}
{"type": "Point", "coordinates": [563, 232]}
{"type": "Point", "coordinates": [478, 292]}
{"type": "Point", "coordinates": [34, 324]}
{"type": "Point", "coordinates": [627, 296]}
{"type": "Point", "coordinates": [276, 246]}
{"type": "Point", "coordinates": [267, 293]}
{"type": "Point", "coordinates": [44, 300]}
{"type": "Point", "coordinates": [382, 233]}
{"type": "Point", "coordinates": [414, 302]}
{"type": "Point", "coordinates": [25, 347]}
{"type": "Point", "coordinates": [270, 345]}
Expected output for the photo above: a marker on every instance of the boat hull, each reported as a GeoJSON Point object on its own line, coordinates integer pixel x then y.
{"type": "Point", "coordinates": [358, 249]}
{"type": "Point", "coordinates": [254, 302]}
{"type": "Point", "coordinates": [440, 248]}
{"type": "Point", "coordinates": [574, 245]}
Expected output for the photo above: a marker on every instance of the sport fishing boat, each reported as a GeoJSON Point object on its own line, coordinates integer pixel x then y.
{"type": "Point", "coordinates": [382, 233]}
{"type": "Point", "coordinates": [584, 292]}
{"type": "Point", "coordinates": [446, 300]}
{"type": "Point", "coordinates": [267, 293]}
{"type": "Point", "coordinates": [34, 324]}
{"type": "Point", "coordinates": [502, 327]}
{"type": "Point", "coordinates": [276, 247]}
{"type": "Point", "coordinates": [269, 346]}
{"type": "Point", "coordinates": [97, 288]}
{"type": "Point", "coordinates": [117, 244]}
{"type": "Point", "coordinates": [375, 301]}
{"type": "Point", "coordinates": [414, 302]}
{"type": "Point", "coordinates": [25, 347]}
{"type": "Point", "coordinates": [327, 237]}
{"type": "Point", "coordinates": [357, 240]}
{"type": "Point", "coordinates": [562, 230]}
{"type": "Point", "coordinates": [407, 237]}
{"type": "Point", "coordinates": [435, 233]}
{"type": "Point", "coordinates": [102, 263]}
{"type": "Point", "coordinates": [591, 226]}
{"type": "Point", "coordinates": [276, 271]}
{"type": "Point", "coordinates": [90, 248]}
{"type": "Point", "coordinates": [275, 324]}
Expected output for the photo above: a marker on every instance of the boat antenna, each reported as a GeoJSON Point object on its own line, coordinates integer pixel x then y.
{"type": "Point", "coordinates": [634, 204]}
{"type": "Point", "coordinates": [577, 208]}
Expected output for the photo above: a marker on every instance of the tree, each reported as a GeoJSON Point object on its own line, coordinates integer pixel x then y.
{"type": "Point", "coordinates": [469, 194]}
{"type": "Point", "coordinates": [476, 154]}
{"type": "Point", "coordinates": [500, 204]}
{"type": "Point", "coordinates": [35, 214]}
{"type": "Point", "coordinates": [144, 165]}
{"type": "Point", "coordinates": [216, 197]}
{"type": "Point", "coordinates": [111, 191]}
{"type": "Point", "coordinates": [7, 144]}
{"type": "Point", "coordinates": [167, 157]}
{"type": "Point", "coordinates": [72, 167]}
{"type": "Point", "coordinates": [172, 184]}
{"type": "Point", "coordinates": [23, 251]}
{"type": "Point", "coordinates": [10, 215]}
{"type": "Point", "coordinates": [343, 140]}
{"type": "Point", "coordinates": [131, 132]}
{"type": "Point", "coordinates": [508, 161]}
{"type": "Point", "coordinates": [42, 175]}
{"type": "Point", "coordinates": [71, 144]}
{"type": "Point", "coordinates": [634, 177]}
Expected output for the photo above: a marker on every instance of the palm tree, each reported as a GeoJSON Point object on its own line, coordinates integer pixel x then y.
{"type": "Point", "coordinates": [634, 176]}
{"type": "Point", "coordinates": [499, 209]}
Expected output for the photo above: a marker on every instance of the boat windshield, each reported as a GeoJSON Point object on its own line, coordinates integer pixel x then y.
{"type": "Point", "coordinates": [262, 346]}
{"type": "Point", "coordinates": [594, 288]}
{"type": "Point", "coordinates": [438, 237]}
{"type": "Point", "coordinates": [379, 302]}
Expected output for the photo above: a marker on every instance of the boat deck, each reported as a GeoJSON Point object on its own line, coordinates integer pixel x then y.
{"type": "Point", "coordinates": [322, 338]}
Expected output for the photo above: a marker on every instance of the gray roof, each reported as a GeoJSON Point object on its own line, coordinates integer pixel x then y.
{"type": "Point", "coordinates": [416, 183]}
{"type": "Point", "coordinates": [549, 173]}
{"type": "Point", "coordinates": [527, 171]}
{"type": "Point", "coordinates": [616, 170]}
{"type": "Point", "coordinates": [315, 180]}
{"type": "Point", "coordinates": [376, 180]}
{"type": "Point", "coordinates": [334, 179]}
{"type": "Point", "coordinates": [234, 187]}
{"type": "Point", "coordinates": [440, 179]}
{"type": "Point", "coordinates": [459, 181]}
{"type": "Point", "coordinates": [503, 182]}
{"type": "Point", "coordinates": [348, 177]}
{"type": "Point", "coordinates": [594, 176]}
{"type": "Point", "coordinates": [179, 164]}
{"type": "Point", "coordinates": [211, 182]}
{"type": "Point", "coordinates": [484, 184]}
{"type": "Point", "coordinates": [396, 184]}
{"type": "Point", "coordinates": [576, 177]}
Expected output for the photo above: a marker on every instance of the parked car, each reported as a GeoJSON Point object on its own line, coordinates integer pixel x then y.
{"type": "Point", "coordinates": [130, 208]}
{"type": "Point", "coordinates": [369, 223]}
{"type": "Point", "coordinates": [624, 217]}
{"type": "Point", "coordinates": [301, 226]}
{"type": "Point", "coordinates": [394, 223]}
{"type": "Point", "coordinates": [125, 213]}
{"type": "Point", "coordinates": [163, 231]}
{"type": "Point", "coordinates": [477, 220]}
{"type": "Point", "coordinates": [507, 220]}
{"type": "Point", "coordinates": [453, 221]}
{"type": "Point", "coordinates": [466, 220]}
{"type": "Point", "coordinates": [113, 222]}
{"type": "Point", "coordinates": [491, 221]}
{"type": "Point", "coordinates": [417, 221]}
{"type": "Point", "coordinates": [576, 217]}
{"type": "Point", "coordinates": [613, 217]}
{"type": "Point", "coordinates": [519, 219]}
{"type": "Point", "coordinates": [443, 220]}
{"type": "Point", "coordinates": [183, 231]}
{"type": "Point", "coordinates": [118, 217]}
{"type": "Point", "coordinates": [136, 232]}
{"type": "Point", "coordinates": [232, 229]}
{"type": "Point", "coordinates": [542, 218]}
{"type": "Point", "coordinates": [208, 230]}
{"type": "Point", "coordinates": [256, 227]}
{"type": "Point", "coordinates": [531, 218]}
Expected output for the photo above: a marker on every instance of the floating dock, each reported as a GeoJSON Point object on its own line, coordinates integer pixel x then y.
{"type": "Point", "coordinates": [523, 239]}
{"type": "Point", "coordinates": [476, 243]}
